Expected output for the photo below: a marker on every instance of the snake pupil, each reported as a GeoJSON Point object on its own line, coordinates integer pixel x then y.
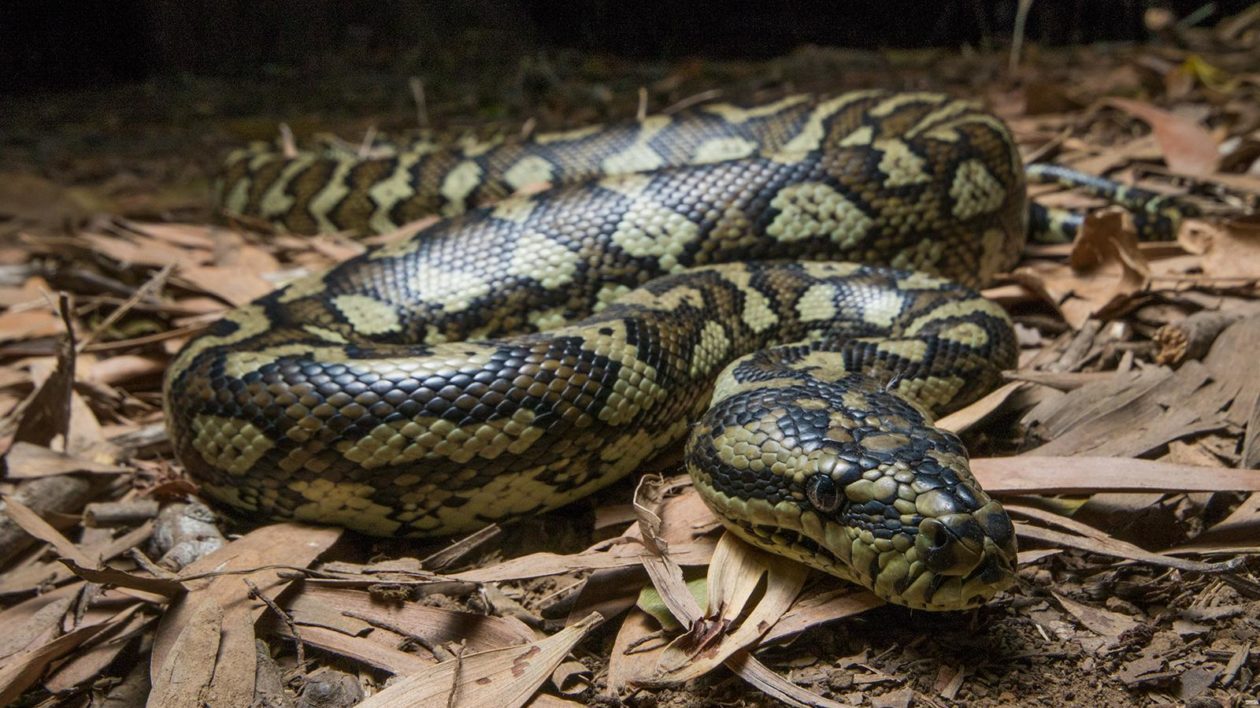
{"type": "Point", "coordinates": [822, 493]}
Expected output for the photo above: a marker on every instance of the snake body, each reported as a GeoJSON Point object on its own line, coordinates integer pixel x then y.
{"type": "Point", "coordinates": [702, 267]}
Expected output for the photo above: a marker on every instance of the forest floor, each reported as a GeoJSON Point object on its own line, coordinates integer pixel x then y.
{"type": "Point", "coordinates": [1124, 446]}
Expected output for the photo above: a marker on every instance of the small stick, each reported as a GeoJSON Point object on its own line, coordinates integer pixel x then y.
{"type": "Point", "coordinates": [297, 637]}
{"type": "Point", "coordinates": [1190, 338]}
{"type": "Point", "coordinates": [1017, 38]}
{"type": "Point", "coordinates": [422, 109]}
{"type": "Point", "coordinates": [641, 114]}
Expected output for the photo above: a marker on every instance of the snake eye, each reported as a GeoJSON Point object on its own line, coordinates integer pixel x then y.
{"type": "Point", "coordinates": [822, 493]}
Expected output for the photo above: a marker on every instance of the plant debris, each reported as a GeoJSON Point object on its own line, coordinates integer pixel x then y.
{"type": "Point", "coordinates": [1126, 444]}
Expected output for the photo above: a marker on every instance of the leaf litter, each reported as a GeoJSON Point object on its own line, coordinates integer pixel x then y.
{"type": "Point", "coordinates": [1135, 407]}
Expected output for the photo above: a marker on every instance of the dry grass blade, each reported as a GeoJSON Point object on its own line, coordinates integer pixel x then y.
{"type": "Point", "coordinates": [500, 677]}
{"type": "Point", "coordinates": [1029, 474]}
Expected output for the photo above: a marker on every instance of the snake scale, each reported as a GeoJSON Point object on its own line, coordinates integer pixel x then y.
{"type": "Point", "coordinates": [764, 282]}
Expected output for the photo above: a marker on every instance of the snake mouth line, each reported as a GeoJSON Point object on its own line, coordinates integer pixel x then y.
{"type": "Point", "coordinates": [925, 589]}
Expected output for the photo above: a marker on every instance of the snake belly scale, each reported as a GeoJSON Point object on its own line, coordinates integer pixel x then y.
{"type": "Point", "coordinates": [721, 276]}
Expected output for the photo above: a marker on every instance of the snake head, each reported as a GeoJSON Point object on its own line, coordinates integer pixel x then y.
{"type": "Point", "coordinates": [871, 493]}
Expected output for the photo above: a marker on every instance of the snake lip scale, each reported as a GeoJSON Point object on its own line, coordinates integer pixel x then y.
{"type": "Point", "coordinates": [783, 286]}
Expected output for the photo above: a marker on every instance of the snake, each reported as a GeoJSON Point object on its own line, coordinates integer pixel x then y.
{"type": "Point", "coordinates": [787, 289]}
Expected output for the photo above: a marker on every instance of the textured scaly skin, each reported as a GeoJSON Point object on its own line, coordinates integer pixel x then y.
{"type": "Point", "coordinates": [520, 356]}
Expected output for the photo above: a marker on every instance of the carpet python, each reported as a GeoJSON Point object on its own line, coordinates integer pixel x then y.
{"type": "Point", "coordinates": [763, 282]}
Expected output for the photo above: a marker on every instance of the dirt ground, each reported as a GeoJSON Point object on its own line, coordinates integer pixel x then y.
{"type": "Point", "coordinates": [1125, 444]}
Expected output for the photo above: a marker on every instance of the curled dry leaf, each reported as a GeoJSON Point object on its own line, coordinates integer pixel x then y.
{"type": "Point", "coordinates": [1105, 268]}
{"type": "Point", "coordinates": [1188, 147]}
{"type": "Point", "coordinates": [1031, 474]}
{"type": "Point", "coordinates": [735, 573]}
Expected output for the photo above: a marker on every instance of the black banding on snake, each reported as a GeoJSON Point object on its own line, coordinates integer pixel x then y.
{"type": "Point", "coordinates": [522, 355]}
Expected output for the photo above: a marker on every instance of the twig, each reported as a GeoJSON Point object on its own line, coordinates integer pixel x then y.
{"type": "Point", "coordinates": [641, 114]}
{"type": "Point", "coordinates": [299, 646]}
{"type": "Point", "coordinates": [288, 146]}
{"type": "Point", "coordinates": [1017, 37]}
{"type": "Point", "coordinates": [369, 136]}
{"type": "Point", "coordinates": [438, 652]}
{"type": "Point", "coordinates": [451, 699]}
{"type": "Point", "coordinates": [152, 285]}
{"type": "Point", "coordinates": [693, 99]}
{"type": "Point", "coordinates": [422, 109]}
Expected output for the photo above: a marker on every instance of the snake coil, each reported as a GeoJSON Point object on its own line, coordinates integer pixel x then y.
{"type": "Point", "coordinates": [772, 272]}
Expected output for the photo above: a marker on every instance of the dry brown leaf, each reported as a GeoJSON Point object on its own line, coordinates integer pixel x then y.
{"type": "Point", "coordinates": [480, 632]}
{"type": "Point", "coordinates": [33, 524]}
{"type": "Point", "coordinates": [88, 664]}
{"type": "Point", "coordinates": [39, 616]}
{"type": "Point", "coordinates": [183, 676]}
{"type": "Point", "coordinates": [961, 421]}
{"type": "Point", "coordinates": [1229, 248]}
{"type": "Point", "coordinates": [1105, 269]}
{"type": "Point", "coordinates": [734, 574]}
{"type": "Point", "coordinates": [1028, 474]}
{"type": "Point", "coordinates": [362, 650]}
{"type": "Point", "coordinates": [1188, 147]}
{"type": "Point", "coordinates": [1097, 620]}
{"type": "Point", "coordinates": [47, 413]}
{"type": "Point", "coordinates": [21, 671]}
{"type": "Point", "coordinates": [27, 461]}
{"type": "Point", "coordinates": [537, 565]}
{"type": "Point", "coordinates": [288, 544]}
{"type": "Point", "coordinates": [505, 677]}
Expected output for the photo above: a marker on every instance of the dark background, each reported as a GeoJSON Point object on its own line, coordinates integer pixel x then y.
{"type": "Point", "coordinates": [55, 44]}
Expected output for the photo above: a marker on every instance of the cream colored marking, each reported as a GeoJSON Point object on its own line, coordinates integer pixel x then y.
{"type": "Point", "coordinates": [921, 281]}
{"type": "Point", "coordinates": [528, 171]}
{"type": "Point", "coordinates": [328, 196]}
{"type": "Point", "coordinates": [228, 444]}
{"type": "Point", "coordinates": [228, 495]}
{"type": "Point", "coordinates": [548, 319]}
{"type": "Point", "coordinates": [476, 148]}
{"type": "Point", "coordinates": [368, 315]}
{"type": "Point", "coordinates": [238, 363]}
{"type": "Point", "coordinates": [931, 392]}
{"type": "Point", "coordinates": [517, 209]}
{"type": "Point", "coordinates": [722, 149]}
{"type": "Point", "coordinates": [896, 101]}
{"type": "Point", "coordinates": [567, 135]}
{"type": "Point", "coordinates": [431, 438]}
{"type": "Point", "coordinates": [650, 230]}
{"type": "Point", "coordinates": [453, 289]}
{"type": "Point", "coordinates": [671, 299]}
{"type": "Point", "coordinates": [457, 185]}
{"type": "Point", "coordinates": [346, 504]}
{"type": "Point", "coordinates": [812, 209]}
{"type": "Point", "coordinates": [862, 136]}
{"type": "Point", "coordinates": [812, 133]}
{"type": "Point", "coordinates": [631, 186]}
{"type": "Point", "coordinates": [757, 313]}
{"type": "Point", "coordinates": [639, 155]}
{"type": "Point", "coordinates": [251, 321]}
{"type": "Point", "coordinates": [968, 334]}
{"type": "Point", "coordinates": [236, 198]}
{"type": "Point", "coordinates": [386, 193]}
{"type": "Point", "coordinates": [944, 113]}
{"type": "Point", "coordinates": [539, 257]}
{"type": "Point", "coordinates": [993, 254]}
{"type": "Point", "coordinates": [303, 287]}
{"type": "Point", "coordinates": [608, 294]}
{"type": "Point", "coordinates": [276, 201]}
{"type": "Point", "coordinates": [908, 349]}
{"type": "Point", "coordinates": [902, 166]}
{"type": "Point", "coordinates": [923, 255]}
{"type": "Point", "coordinates": [711, 350]}
{"type": "Point", "coordinates": [737, 114]}
{"type": "Point", "coordinates": [818, 303]}
{"type": "Point", "coordinates": [882, 308]}
{"type": "Point", "coordinates": [975, 190]}
{"type": "Point", "coordinates": [325, 334]}
{"type": "Point", "coordinates": [957, 308]}
{"type": "Point", "coordinates": [948, 131]}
